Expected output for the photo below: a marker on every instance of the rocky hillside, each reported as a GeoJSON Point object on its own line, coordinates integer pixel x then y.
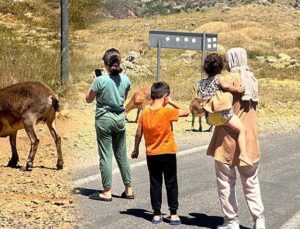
{"type": "Point", "coordinates": [142, 8]}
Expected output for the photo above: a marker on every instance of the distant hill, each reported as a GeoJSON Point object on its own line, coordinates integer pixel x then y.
{"type": "Point", "coordinates": [144, 8]}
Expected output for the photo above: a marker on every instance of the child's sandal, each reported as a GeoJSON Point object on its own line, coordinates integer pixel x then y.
{"type": "Point", "coordinates": [158, 220]}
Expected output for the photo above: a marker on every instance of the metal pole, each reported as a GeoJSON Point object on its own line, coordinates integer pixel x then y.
{"type": "Point", "coordinates": [64, 42]}
{"type": "Point", "coordinates": [158, 61]}
{"type": "Point", "coordinates": [203, 54]}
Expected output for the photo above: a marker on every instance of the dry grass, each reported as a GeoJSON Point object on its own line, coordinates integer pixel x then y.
{"type": "Point", "coordinates": [259, 29]}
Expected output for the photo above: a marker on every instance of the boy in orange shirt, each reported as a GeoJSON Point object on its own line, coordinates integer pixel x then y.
{"type": "Point", "coordinates": [155, 123]}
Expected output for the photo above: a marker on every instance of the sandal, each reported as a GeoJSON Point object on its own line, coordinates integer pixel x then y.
{"type": "Point", "coordinates": [154, 221]}
{"type": "Point", "coordinates": [129, 197]}
{"type": "Point", "coordinates": [174, 222]}
{"type": "Point", "coordinates": [99, 196]}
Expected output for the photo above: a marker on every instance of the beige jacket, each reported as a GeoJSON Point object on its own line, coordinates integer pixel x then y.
{"type": "Point", "coordinates": [223, 145]}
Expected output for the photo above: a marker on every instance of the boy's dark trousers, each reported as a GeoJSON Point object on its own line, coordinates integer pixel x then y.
{"type": "Point", "coordinates": [159, 166]}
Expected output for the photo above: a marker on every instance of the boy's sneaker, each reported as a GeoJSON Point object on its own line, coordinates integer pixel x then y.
{"type": "Point", "coordinates": [229, 225]}
{"type": "Point", "coordinates": [259, 223]}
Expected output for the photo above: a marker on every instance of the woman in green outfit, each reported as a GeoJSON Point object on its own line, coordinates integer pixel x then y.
{"type": "Point", "coordinates": [110, 91]}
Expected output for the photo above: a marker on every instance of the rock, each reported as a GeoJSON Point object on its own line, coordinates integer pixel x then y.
{"type": "Point", "coordinates": [260, 58]}
{"type": "Point", "coordinates": [132, 55]}
{"type": "Point", "coordinates": [283, 57]}
{"type": "Point", "coordinates": [271, 59]}
{"type": "Point", "coordinates": [225, 9]}
{"type": "Point", "coordinates": [29, 15]}
{"type": "Point", "coordinates": [264, 2]}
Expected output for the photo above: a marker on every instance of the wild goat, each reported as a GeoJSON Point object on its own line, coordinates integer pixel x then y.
{"type": "Point", "coordinates": [143, 48]}
{"type": "Point", "coordinates": [139, 100]}
{"type": "Point", "coordinates": [196, 108]}
{"type": "Point", "coordinates": [22, 106]}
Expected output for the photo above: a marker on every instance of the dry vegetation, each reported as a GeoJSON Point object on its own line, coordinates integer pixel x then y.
{"type": "Point", "coordinates": [259, 29]}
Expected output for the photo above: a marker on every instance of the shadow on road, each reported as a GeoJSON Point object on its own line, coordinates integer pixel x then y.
{"type": "Point", "coordinates": [202, 220]}
{"type": "Point", "coordinates": [140, 213]}
{"type": "Point", "coordinates": [84, 191]}
{"type": "Point", "coordinates": [88, 191]}
{"type": "Point", "coordinates": [196, 219]}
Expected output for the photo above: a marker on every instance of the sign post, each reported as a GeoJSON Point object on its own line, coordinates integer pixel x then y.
{"type": "Point", "coordinates": [182, 40]}
{"type": "Point", "coordinates": [158, 61]}
{"type": "Point", "coordinates": [64, 42]}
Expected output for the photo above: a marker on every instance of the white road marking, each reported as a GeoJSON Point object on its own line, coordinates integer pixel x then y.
{"type": "Point", "coordinates": [292, 223]}
{"type": "Point", "coordinates": [88, 179]}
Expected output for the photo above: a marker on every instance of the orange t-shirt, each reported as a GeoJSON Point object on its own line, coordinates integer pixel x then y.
{"type": "Point", "coordinates": [158, 130]}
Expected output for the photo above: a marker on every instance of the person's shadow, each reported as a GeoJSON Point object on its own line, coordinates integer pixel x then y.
{"type": "Point", "coordinates": [203, 220]}
{"type": "Point", "coordinates": [140, 213]}
{"type": "Point", "coordinates": [194, 219]}
{"type": "Point", "coordinates": [88, 191]}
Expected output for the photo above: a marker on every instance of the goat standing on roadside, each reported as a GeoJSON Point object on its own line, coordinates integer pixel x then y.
{"type": "Point", "coordinates": [196, 109]}
{"type": "Point", "coordinates": [139, 100]}
{"type": "Point", "coordinates": [22, 106]}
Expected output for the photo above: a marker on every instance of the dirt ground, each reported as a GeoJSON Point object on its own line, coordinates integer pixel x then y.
{"type": "Point", "coordinates": [43, 198]}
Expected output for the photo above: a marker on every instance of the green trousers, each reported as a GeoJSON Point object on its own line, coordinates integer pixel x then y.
{"type": "Point", "coordinates": [111, 139]}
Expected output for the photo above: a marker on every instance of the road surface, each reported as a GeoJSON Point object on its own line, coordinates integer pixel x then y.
{"type": "Point", "coordinates": [279, 176]}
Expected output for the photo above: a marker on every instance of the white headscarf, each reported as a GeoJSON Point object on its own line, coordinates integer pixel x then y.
{"type": "Point", "coordinates": [237, 62]}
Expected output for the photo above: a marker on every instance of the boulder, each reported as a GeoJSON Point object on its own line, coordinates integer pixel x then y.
{"type": "Point", "coordinates": [271, 59]}
{"type": "Point", "coordinates": [283, 57]}
{"type": "Point", "coordinates": [132, 55]}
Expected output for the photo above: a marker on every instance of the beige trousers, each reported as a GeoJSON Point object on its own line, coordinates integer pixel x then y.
{"type": "Point", "coordinates": [226, 182]}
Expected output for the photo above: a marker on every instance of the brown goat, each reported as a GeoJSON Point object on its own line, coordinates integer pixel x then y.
{"type": "Point", "coordinates": [196, 108]}
{"type": "Point", "coordinates": [143, 48]}
{"type": "Point", "coordinates": [139, 100]}
{"type": "Point", "coordinates": [22, 106]}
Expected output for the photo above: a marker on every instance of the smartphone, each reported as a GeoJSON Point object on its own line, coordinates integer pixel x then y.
{"type": "Point", "coordinates": [98, 72]}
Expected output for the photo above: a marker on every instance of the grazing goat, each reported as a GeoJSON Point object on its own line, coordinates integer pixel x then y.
{"type": "Point", "coordinates": [22, 106]}
{"type": "Point", "coordinates": [196, 108]}
{"type": "Point", "coordinates": [143, 48]}
{"type": "Point", "coordinates": [139, 100]}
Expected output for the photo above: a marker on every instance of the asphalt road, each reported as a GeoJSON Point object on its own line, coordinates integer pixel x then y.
{"type": "Point", "coordinates": [279, 176]}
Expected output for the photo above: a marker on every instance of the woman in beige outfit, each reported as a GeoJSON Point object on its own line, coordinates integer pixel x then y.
{"type": "Point", "coordinates": [224, 148]}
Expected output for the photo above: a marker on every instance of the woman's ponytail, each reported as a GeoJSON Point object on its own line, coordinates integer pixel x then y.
{"type": "Point", "coordinates": [112, 59]}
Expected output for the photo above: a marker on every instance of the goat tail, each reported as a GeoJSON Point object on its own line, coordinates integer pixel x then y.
{"type": "Point", "coordinates": [55, 103]}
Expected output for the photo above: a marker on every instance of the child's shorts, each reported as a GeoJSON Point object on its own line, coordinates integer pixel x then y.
{"type": "Point", "coordinates": [219, 118]}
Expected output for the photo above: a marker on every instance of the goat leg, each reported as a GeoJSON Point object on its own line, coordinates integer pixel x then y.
{"type": "Point", "coordinates": [210, 128]}
{"type": "Point", "coordinates": [57, 140]}
{"type": "Point", "coordinates": [200, 124]}
{"type": "Point", "coordinates": [15, 157]}
{"type": "Point", "coordinates": [29, 128]}
{"type": "Point", "coordinates": [193, 121]}
{"type": "Point", "coordinates": [137, 114]}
